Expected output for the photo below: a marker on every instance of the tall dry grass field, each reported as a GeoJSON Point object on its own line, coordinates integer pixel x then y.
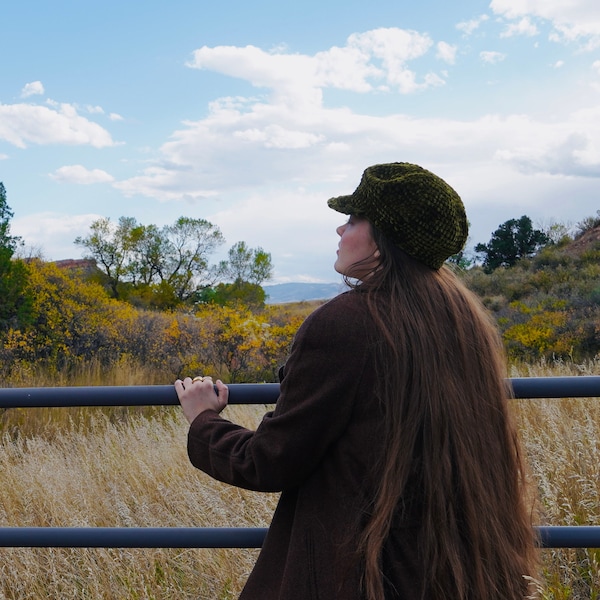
{"type": "Point", "coordinates": [129, 468]}
{"type": "Point", "coordinates": [562, 442]}
{"type": "Point", "coordinates": [97, 467]}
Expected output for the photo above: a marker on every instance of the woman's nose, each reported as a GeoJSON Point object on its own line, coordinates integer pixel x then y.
{"type": "Point", "coordinates": [340, 230]}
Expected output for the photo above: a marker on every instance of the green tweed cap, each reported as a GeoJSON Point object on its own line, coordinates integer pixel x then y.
{"type": "Point", "coordinates": [416, 209]}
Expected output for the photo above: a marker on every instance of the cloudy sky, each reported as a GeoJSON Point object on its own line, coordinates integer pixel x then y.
{"type": "Point", "coordinates": [252, 114]}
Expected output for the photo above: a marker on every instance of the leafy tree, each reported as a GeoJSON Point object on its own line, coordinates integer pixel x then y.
{"type": "Point", "coordinates": [189, 243]}
{"type": "Point", "coordinates": [14, 303]}
{"type": "Point", "coordinates": [111, 246]}
{"type": "Point", "coordinates": [71, 320]}
{"type": "Point", "coordinates": [7, 241]}
{"type": "Point", "coordinates": [588, 224]}
{"type": "Point", "coordinates": [239, 292]}
{"type": "Point", "coordinates": [559, 234]}
{"type": "Point", "coordinates": [246, 268]}
{"type": "Point", "coordinates": [513, 240]}
{"type": "Point", "coordinates": [150, 247]}
{"type": "Point", "coordinates": [243, 346]}
{"type": "Point", "coordinates": [247, 265]}
{"type": "Point", "coordinates": [460, 261]}
{"type": "Point", "coordinates": [170, 263]}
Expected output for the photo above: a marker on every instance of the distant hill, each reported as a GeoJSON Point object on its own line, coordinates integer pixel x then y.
{"type": "Point", "coordinates": [296, 292]}
{"type": "Point", "coordinates": [84, 266]}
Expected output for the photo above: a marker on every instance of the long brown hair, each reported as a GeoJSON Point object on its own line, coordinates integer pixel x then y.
{"type": "Point", "coordinates": [441, 372]}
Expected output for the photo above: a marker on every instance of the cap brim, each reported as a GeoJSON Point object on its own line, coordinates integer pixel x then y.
{"type": "Point", "coordinates": [343, 204]}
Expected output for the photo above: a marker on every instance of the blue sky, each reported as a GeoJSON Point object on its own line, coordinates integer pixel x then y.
{"type": "Point", "coordinates": [251, 115]}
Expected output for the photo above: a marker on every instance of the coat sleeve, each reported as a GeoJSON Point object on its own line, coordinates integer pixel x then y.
{"type": "Point", "coordinates": [317, 396]}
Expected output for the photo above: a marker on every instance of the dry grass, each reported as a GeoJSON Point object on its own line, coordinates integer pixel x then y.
{"type": "Point", "coordinates": [93, 467]}
{"type": "Point", "coordinates": [134, 472]}
{"type": "Point", "coordinates": [562, 442]}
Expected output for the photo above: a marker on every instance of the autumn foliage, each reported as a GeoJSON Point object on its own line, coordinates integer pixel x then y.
{"type": "Point", "coordinates": [547, 306]}
{"type": "Point", "coordinates": [142, 298]}
{"type": "Point", "coordinates": [73, 322]}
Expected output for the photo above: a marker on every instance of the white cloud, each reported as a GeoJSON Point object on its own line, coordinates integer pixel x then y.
{"type": "Point", "coordinates": [22, 124]}
{"type": "Point", "coordinates": [573, 155]}
{"type": "Point", "coordinates": [571, 20]}
{"type": "Point", "coordinates": [98, 110]}
{"type": "Point", "coordinates": [502, 166]}
{"type": "Point", "coordinates": [236, 150]}
{"type": "Point", "coordinates": [80, 175]}
{"type": "Point", "coordinates": [370, 60]}
{"type": "Point", "coordinates": [281, 219]}
{"type": "Point", "coordinates": [3, 156]}
{"type": "Point", "coordinates": [53, 230]}
{"type": "Point", "coordinates": [570, 148]}
{"type": "Point", "coordinates": [394, 48]}
{"type": "Point", "coordinates": [274, 166]}
{"type": "Point", "coordinates": [446, 52]}
{"type": "Point", "coordinates": [559, 64]}
{"type": "Point", "coordinates": [492, 57]}
{"type": "Point", "coordinates": [94, 110]}
{"type": "Point", "coordinates": [166, 183]}
{"type": "Point", "coordinates": [522, 27]}
{"type": "Point", "coordinates": [595, 84]}
{"type": "Point", "coordinates": [255, 132]}
{"type": "Point", "coordinates": [468, 27]}
{"type": "Point", "coordinates": [35, 88]}
{"type": "Point", "coordinates": [275, 136]}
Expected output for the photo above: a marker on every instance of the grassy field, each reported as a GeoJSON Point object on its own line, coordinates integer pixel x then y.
{"type": "Point", "coordinates": [562, 441]}
{"type": "Point", "coordinates": [129, 468]}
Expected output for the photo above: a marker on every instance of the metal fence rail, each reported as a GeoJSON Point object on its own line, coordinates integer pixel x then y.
{"type": "Point", "coordinates": [206, 537]}
{"type": "Point", "coordinates": [216, 537]}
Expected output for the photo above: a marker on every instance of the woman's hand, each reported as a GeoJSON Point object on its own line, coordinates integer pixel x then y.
{"type": "Point", "coordinates": [200, 394]}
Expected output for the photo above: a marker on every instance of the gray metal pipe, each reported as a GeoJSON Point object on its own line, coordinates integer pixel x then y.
{"type": "Point", "coordinates": [250, 393]}
{"type": "Point", "coordinates": [135, 395]}
{"type": "Point", "coordinates": [217, 537]}
{"type": "Point", "coordinates": [132, 537]}
{"type": "Point", "coordinates": [245, 393]}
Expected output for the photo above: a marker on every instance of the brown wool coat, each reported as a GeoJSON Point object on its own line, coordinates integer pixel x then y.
{"type": "Point", "coordinates": [318, 447]}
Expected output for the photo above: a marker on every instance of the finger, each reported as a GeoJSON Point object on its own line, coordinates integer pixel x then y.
{"type": "Point", "coordinates": [223, 392]}
{"type": "Point", "coordinates": [179, 389]}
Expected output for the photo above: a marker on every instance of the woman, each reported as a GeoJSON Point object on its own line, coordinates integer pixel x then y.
{"type": "Point", "coordinates": [391, 442]}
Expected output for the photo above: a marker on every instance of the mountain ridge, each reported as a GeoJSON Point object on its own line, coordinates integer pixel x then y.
{"type": "Point", "coordinates": [297, 291]}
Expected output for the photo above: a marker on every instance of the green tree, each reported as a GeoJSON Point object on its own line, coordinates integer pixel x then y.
{"type": "Point", "coordinates": [7, 241]}
{"type": "Point", "coordinates": [247, 265]}
{"type": "Point", "coordinates": [15, 304]}
{"type": "Point", "coordinates": [239, 292]}
{"type": "Point", "coordinates": [588, 224]}
{"type": "Point", "coordinates": [513, 240]}
{"type": "Point", "coordinates": [189, 243]}
{"type": "Point", "coordinates": [112, 247]}
{"type": "Point", "coordinates": [150, 248]}
{"type": "Point", "coordinates": [139, 260]}
{"type": "Point", "coordinates": [558, 233]}
{"type": "Point", "coordinates": [246, 269]}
